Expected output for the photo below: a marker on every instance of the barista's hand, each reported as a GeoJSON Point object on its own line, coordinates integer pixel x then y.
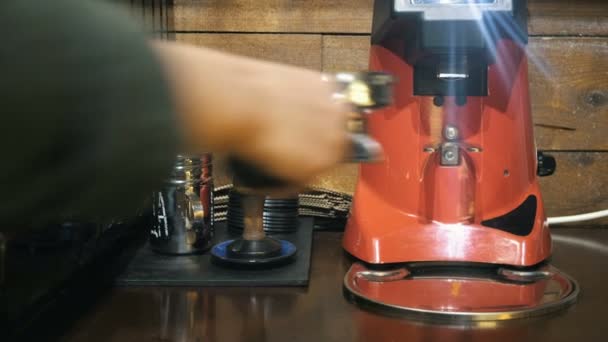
{"type": "Point", "coordinates": [298, 131]}
{"type": "Point", "coordinates": [277, 117]}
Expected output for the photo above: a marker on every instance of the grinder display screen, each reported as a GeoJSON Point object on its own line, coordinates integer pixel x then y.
{"type": "Point", "coordinates": [451, 2]}
{"type": "Point", "coordinates": [452, 9]}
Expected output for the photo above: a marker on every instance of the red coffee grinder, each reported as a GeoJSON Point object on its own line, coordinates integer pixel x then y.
{"type": "Point", "coordinates": [451, 223]}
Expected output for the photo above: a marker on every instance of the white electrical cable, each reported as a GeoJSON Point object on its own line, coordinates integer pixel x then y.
{"type": "Point", "coordinates": [578, 218]}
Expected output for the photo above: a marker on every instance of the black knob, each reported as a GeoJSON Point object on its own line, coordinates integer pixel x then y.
{"type": "Point", "coordinates": [546, 165]}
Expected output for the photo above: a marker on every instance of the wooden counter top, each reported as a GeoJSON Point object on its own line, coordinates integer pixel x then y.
{"type": "Point", "coordinates": [320, 312]}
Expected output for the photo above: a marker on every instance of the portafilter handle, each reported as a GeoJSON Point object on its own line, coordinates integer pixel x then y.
{"type": "Point", "coordinates": [364, 92]}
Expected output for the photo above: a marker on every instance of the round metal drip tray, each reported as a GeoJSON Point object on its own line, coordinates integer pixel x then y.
{"type": "Point", "coordinates": [462, 294]}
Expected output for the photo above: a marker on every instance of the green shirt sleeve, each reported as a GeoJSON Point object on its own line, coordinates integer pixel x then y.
{"type": "Point", "coordinates": [87, 121]}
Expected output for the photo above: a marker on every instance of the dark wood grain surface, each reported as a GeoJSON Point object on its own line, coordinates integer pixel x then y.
{"type": "Point", "coordinates": [295, 49]}
{"type": "Point", "coordinates": [547, 17]}
{"type": "Point", "coordinates": [579, 185]}
{"type": "Point", "coordinates": [304, 16]}
{"type": "Point", "coordinates": [320, 313]}
{"type": "Point", "coordinates": [568, 18]}
{"type": "Point", "coordinates": [569, 92]}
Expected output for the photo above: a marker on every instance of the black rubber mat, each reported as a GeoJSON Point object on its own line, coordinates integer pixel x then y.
{"type": "Point", "coordinates": [148, 268]}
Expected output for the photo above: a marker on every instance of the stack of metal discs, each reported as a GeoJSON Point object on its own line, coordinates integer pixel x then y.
{"type": "Point", "coordinates": [280, 214]}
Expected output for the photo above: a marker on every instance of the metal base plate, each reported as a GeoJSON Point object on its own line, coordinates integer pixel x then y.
{"type": "Point", "coordinates": [461, 294]}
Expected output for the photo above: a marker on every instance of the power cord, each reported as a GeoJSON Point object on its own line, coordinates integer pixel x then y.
{"type": "Point", "coordinates": [578, 218]}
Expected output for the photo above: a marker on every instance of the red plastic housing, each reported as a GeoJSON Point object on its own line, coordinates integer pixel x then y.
{"type": "Point", "coordinates": [409, 208]}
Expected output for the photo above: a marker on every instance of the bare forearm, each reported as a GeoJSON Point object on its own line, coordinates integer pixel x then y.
{"type": "Point", "coordinates": [209, 88]}
{"type": "Point", "coordinates": [279, 117]}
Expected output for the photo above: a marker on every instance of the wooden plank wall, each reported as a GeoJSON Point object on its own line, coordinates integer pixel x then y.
{"type": "Point", "coordinates": [568, 71]}
{"type": "Point", "coordinates": [155, 16]}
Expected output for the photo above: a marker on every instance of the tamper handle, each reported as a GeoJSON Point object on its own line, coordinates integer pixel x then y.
{"type": "Point", "coordinates": [248, 176]}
